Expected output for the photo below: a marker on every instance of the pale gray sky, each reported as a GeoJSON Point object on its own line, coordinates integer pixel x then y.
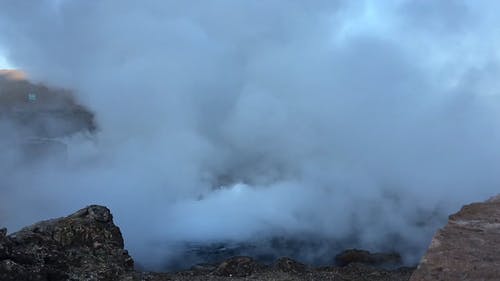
{"type": "Point", "coordinates": [3, 62]}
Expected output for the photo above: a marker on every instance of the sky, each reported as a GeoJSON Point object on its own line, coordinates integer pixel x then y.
{"type": "Point", "coordinates": [3, 63]}
{"type": "Point", "coordinates": [226, 121]}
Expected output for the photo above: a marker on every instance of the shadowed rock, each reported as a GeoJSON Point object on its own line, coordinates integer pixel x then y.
{"type": "Point", "coordinates": [360, 256]}
{"type": "Point", "coordinates": [289, 265]}
{"type": "Point", "coordinates": [467, 248]}
{"type": "Point", "coordinates": [238, 267]}
{"type": "Point", "coordinates": [83, 246]}
{"type": "Point", "coordinates": [88, 246]}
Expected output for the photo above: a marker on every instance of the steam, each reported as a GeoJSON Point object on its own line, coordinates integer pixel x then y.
{"type": "Point", "coordinates": [230, 119]}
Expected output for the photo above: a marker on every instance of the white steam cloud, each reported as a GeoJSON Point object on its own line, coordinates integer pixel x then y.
{"type": "Point", "coordinates": [342, 119]}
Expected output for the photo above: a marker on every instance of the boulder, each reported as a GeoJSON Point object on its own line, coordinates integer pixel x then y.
{"type": "Point", "coordinates": [467, 248]}
{"type": "Point", "coordinates": [86, 245]}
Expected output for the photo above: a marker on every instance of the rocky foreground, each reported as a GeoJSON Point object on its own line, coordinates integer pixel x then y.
{"type": "Point", "coordinates": [87, 245]}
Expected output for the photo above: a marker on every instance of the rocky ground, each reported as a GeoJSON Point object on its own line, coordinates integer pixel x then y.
{"type": "Point", "coordinates": [87, 245]}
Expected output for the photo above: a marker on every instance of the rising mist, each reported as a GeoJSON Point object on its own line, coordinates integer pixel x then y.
{"type": "Point", "coordinates": [226, 120]}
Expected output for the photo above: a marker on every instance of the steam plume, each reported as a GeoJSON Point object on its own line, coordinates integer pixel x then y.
{"type": "Point", "coordinates": [229, 119]}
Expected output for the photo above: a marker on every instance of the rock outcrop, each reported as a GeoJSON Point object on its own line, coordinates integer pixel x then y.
{"type": "Point", "coordinates": [467, 248]}
{"type": "Point", "coordinates": [83, 246]}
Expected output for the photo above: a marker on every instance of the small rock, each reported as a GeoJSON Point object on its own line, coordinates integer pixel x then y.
{"type": "Point", "coordinates": [203, 267]}
{"type": "Point", "coordinates": [238, 266]}
{"type": "Point", "coordinates": [289, 265]}
{"type": "Point", "coordinates": [365, 257]}
{"type": "Point", "coordinates": [99, 213]}
{"type": "Point", "coordinates": [3, 232]}
{"type": "Point", "coordinates": [11, 271]}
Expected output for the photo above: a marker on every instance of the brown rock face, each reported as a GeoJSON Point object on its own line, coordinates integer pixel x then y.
{"type": "Point", "coordinates": [83, 246]}
{"type": "Point", "coordinates": [467, 248]}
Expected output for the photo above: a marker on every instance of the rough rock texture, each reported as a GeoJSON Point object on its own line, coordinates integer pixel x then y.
{"type": "Point", "coordinates": [360, 256]}
{"type": "Point", "coordinates": [288, 265]}
{"type": "Point", "coordinates": [238, 267]}
{"type": "Point", "coordinates": [88, 246]}
{"type": "Point", "coordinates": [467, 248]}
{"type": "Point", "coordinates": [353, 272]}
{"type": "Point", "coordinates": [83, 246]}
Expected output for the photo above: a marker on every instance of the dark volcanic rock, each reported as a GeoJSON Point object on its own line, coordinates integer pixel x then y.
{"type": "Point", "coordinates": [358, 271]}
{"type": "Point", "coordinates": [88, 246]}
{"type": "Point", "coordinates": [360, 256]}
{"type": "Point", "coordinates": [238, 267]}
{"type": "Point", "coordinates": [83, 246]}
{"type": "Point", "coordinates": [467, 248]}
{"type": "Point", "coordinates": [289, 265]}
